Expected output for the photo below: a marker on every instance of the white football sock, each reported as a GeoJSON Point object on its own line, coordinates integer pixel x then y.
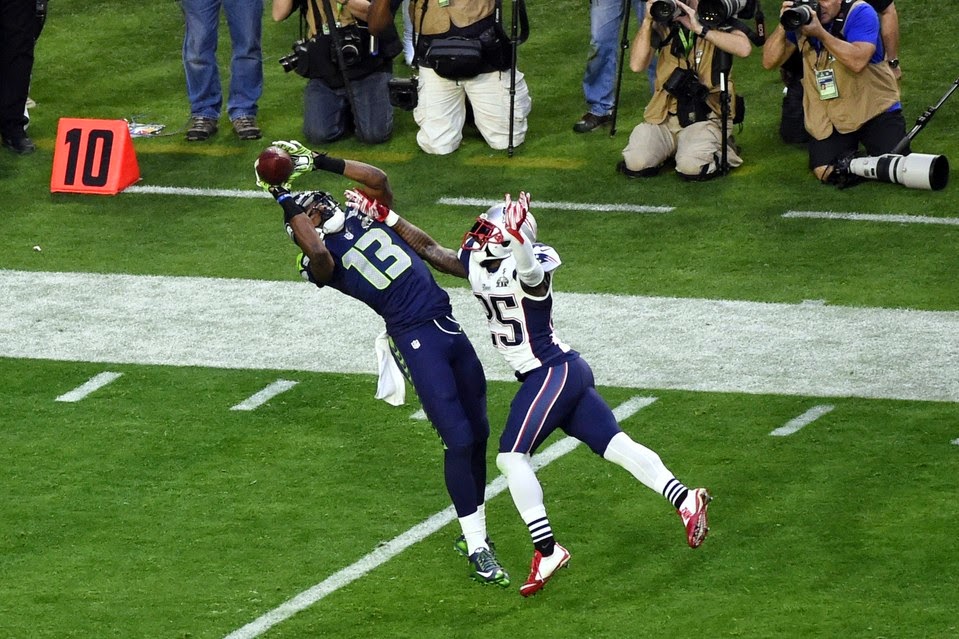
{"type": "Point", "coordinates": [644, 464]}
{"type": "Point", "coordinates": [474, 529]}
{"type": "Point", "coordinates": [524, 487]}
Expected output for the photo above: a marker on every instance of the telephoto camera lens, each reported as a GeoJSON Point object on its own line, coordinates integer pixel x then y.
{"type": "Point", "coordinates": [664, 10]}
{"type": "Point", "coordinates": [714, 13]}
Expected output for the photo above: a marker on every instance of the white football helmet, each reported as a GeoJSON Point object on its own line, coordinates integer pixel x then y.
{"type": "Point", "coordinates": [332, 217]}
{"type": "Point", "coordinates": [488, 240]}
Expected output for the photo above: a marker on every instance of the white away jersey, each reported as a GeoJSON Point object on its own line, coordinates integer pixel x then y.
{"type": "Point", "coordinates": [520, 325]}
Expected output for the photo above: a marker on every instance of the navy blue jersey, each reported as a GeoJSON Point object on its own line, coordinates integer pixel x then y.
{"type": "Point", "coordinates": [373, 265]}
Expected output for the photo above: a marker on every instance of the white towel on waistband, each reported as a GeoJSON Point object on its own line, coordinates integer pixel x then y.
{"type": "Point", "coordinates": [391, 385]}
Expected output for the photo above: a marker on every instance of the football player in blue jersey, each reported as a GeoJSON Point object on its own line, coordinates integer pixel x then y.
{"type": "Point", "coordinates": [511, 274]}
{"type": "Point", "coordinates": [370, 262]}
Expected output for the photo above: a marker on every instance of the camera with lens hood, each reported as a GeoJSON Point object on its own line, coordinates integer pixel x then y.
{"type": "Point", "coordinates": [799, 14]}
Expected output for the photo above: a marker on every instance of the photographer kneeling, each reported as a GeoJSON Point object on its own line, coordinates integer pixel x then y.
{"type": "Point", "coordinates": [348, 71]}
{"type": "Point", "coordinates": [462, 52]}
{"type": "Point", "coordinates": [683, 118]}
{"type": "Point", "coordinates": [850, 94]}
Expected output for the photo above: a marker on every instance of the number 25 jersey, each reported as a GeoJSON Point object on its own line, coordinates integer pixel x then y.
{"type": "Point", "coordinates": [520, 324]}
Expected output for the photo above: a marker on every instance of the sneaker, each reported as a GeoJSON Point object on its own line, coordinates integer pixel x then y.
{"type": "Point", "coordinates": [200, 128]}
{"type": "Point", "coordinates": [542, 569]}
{"type": "Point", "coordinates": [246, 127]}
{"type": "Point", "coordinates": [460, 546]}
{"type": "Point", "coordinates": [21, 145]}
{"type": "Point", "coordinates": [485, 569]}
{"type": "Point", "coordinates": [693, 514]}
{"type": "Point", "coordinates": [591, 121]}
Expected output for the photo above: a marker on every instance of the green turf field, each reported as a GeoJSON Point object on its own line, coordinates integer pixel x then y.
{"type": "Point", "coordinates": [149, 508]}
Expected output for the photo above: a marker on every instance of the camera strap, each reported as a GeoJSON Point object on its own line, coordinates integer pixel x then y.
{"type": "Point", "coordinates": [757, 37]}
{"type": "Point", "coordinates": [523, 18]}
{"type": "Point", "coordinates": [840, 19]}
{"type": "Point", "coordinates": [337, 45]}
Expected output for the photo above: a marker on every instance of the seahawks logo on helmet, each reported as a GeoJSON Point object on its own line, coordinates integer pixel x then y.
{"type": "Point", "coordinates": [332, 217]}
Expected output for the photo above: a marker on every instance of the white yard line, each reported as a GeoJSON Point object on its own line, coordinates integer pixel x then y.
{"type": "Point", "coordinates": [874, 217]}
{"type": "Point", "coordinates": [398, 544]}
{"type": "Point", "coordinates": [180, 190]}
{"type": "Point", "coordinates": [94, 383]}
{"type": "Point", "coordinates": [805, 419]}
{"type": "Point", "coordinates": [561, 206]}
{"type": "Point", "coordinates": [258, 399]}
{"type": "Point", "coordinates": [630, 341]}
{"type": "Point", "coordinates": [474, 202]}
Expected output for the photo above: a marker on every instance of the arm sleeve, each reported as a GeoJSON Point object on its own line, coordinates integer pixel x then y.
{"type": "Point", "coordinates": [528, 268]}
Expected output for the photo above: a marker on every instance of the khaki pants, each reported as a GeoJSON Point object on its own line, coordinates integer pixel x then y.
{"type": "Point", "coordinates": [441, 110]}
{"type": "Point", "coordinates": [696, 146]}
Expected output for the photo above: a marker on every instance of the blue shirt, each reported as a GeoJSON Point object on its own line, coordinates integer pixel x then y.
{"type": "Point", "coordinates": [862, 25]}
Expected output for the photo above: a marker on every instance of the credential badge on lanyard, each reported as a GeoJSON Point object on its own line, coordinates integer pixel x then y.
{"type": "Point", "coordinates": [826, 81]}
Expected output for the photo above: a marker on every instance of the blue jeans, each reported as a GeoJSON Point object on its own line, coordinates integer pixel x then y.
{"type": "Point", "coordinates": [245, 20]}
{"type": "Point", "coordinates": [605, 26]}
{"type": "Point", "coordinates": [326, 111]}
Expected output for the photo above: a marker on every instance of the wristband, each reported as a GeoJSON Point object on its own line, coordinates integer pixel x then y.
{"type": "Point", "coordinates": [391, 218]}
{"type": "Point", "coordinates": [290, 208]}
{"type": "Point", "coordinates": [702, 34]}
{"type": "Point", "coordinates": [323, 162]}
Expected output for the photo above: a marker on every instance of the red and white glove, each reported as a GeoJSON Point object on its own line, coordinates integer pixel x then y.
{"type": "Point", "coordinates": [514, 214]}
{"type": "Point", "coordinates": [371, 208]}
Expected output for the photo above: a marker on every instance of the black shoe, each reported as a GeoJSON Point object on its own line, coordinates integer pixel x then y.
{"type": "Point", "coordinates": [591, 121]}
{"type": "Point", "coordinates": [20, 146]}
{"type": "Point", "coordinates": [652, 171]}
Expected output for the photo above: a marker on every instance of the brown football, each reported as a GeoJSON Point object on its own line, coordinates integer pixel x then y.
{"type": "Point", "coordinates": [274, 166]}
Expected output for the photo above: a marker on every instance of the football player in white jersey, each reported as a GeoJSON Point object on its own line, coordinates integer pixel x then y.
{"type": "Point", "coordinates": [511, 274]}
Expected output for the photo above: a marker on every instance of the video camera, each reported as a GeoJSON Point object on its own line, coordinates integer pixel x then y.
{"type": "Point", "coordinates": [915, 171]}
{"type": "Point", "coordinates": [799, 14]}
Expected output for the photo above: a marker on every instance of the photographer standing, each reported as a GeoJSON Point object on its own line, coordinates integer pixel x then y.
{"type": "Point", "coordinates": [850, 94]}
{"type": "Point", "coordinates": [462, 52]}
{"type": "Point", "coordinates": [684, 117]}
{"type": "Point", "coordinates": [348, 72]}
{"type": "Point", "coordinates": [20, 24]}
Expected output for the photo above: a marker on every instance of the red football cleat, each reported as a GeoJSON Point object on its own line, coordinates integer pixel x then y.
{"type": "Point", "coordinates": [542, 569]}
{"type": "Point", "coordinates": [693, 514]}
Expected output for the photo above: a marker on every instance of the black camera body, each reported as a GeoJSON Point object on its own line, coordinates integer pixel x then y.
{"type": "Point", "coordinates": [714, 13]}
{"type": "Point", "coordinates": [351, 45]}
{"type": "Point", "coordinates": [403, 93]}
{"type": "Point", "coordinates": [684, 83]}
{"type": "Point", "coordinates": [299, 60]}
{"type": "Point", "coordinates": [690, 94]}
{"type": "Point", "coordinates": [799, 14]}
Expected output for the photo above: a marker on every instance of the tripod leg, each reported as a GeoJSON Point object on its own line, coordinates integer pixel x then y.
{"type": "Point", "coordinates": [623, 46]}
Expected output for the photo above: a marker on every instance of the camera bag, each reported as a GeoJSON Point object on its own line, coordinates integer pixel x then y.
{"type": "Point", "coordinates": [455, 58]}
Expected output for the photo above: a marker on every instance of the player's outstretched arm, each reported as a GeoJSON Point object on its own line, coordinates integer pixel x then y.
{"type": "Point", "coordinates": [375, 181]}
{"type": "Point", "coordinates": [302, 231]}
{"type": "Point", "coordinates": [439, 257]}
